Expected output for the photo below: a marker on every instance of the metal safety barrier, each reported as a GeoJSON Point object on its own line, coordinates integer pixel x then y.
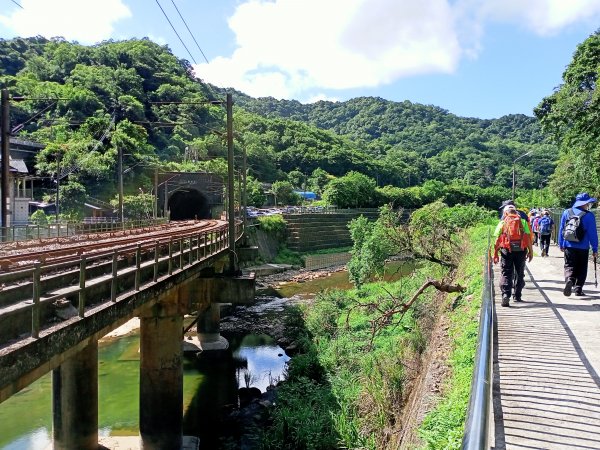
{"type": "Point", "coordinates": [478, 414]}
{"type": "Point", "coordinates": [28, 232]}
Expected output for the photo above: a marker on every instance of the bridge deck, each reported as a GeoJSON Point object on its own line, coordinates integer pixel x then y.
{"type": "Point", "coordinates": [546, 363]}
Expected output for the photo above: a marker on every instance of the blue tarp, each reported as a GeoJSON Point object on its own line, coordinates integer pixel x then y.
{"type": "Point", "coordinates": [307, 195]}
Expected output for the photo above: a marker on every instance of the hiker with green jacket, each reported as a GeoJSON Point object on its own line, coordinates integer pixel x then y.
{"type": "Point", "coordinates": [511, 248]}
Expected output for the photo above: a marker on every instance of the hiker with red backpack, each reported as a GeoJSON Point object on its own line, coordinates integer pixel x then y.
{"type": "Point", "coordinates": [511, 248]}
{"type": "Point", "coordinates": [576, 234]}
{"type": "Point", "coordinates": [545, 227]}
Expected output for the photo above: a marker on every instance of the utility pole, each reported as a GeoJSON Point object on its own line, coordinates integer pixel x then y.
{"type": "Point", "coordinates": [231, 199]}
{"type": "Point", "coordinates": [120, 174]}
{"type": "Point", "coordinates": [155, 206]}
{"type": "Point", "coordinates": [514, 177]}
{"type": "Point", "coordinates": [245, 192]}
{"type": "Point", "coordinates": [5, 130]}
{"type": "Point", "coordinates": [56, 203]}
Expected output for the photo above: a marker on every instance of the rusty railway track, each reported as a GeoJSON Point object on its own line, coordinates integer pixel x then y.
{"type": "Point", "coordinates": [65, 249]}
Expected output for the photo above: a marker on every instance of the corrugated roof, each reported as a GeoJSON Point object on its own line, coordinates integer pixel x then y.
{"type": "Point", "coordinates": [18, 165]}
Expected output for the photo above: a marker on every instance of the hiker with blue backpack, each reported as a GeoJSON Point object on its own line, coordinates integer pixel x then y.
{"type": "Point", "coordinates": [576, 234]}
{"type": "Point", "coordinates": [545, 227]}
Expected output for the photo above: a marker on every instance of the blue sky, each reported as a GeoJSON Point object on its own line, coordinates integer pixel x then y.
{"type": "Point", "coordinates": [475, 58]}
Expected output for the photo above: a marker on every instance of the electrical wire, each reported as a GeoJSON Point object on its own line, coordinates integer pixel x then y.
{"type": "Point", "coordinates": [180, 40]}
{"type": "Point", "coordinates": [190, 31]}
{"type": "Point", "coordinates": [20, 126]}
{"type": "Point", "coordinates": [17, 4]}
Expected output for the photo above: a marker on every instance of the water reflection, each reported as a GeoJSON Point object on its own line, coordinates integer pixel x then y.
{"type": "Point", "coordinates": [265, 361]}
{"type": "Point", "coordinates": [394, 270]}
{"type": "Point", "coordinates": [210, 392]}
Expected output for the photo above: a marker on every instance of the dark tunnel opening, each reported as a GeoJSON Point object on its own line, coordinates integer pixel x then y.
{"type": "Point", "coordinates": [186, 205]}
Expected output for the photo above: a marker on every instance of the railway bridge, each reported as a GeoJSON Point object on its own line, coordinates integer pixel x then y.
{"type": "Point", "coordinates": [59, 296]}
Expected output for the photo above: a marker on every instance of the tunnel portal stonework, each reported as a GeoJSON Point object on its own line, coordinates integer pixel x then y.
{"type": "Point", "coordinates": [190, 195]}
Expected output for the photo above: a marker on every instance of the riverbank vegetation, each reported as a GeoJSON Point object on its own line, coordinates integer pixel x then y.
{"type": "Point", "coordinates": [361, 353]}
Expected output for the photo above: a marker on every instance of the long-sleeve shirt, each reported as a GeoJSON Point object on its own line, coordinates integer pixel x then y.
{"type": "Point", "coordinates": [590, 235]}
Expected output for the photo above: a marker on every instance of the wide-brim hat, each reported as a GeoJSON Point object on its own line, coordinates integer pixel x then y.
{"type": "Point", "coordinates": [506, 203]}
{"type": "Point", "coordinates": [583, 199]}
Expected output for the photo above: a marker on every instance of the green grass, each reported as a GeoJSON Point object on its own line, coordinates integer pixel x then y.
{"type": "Point", "coordinates": [443, 427]}
{"type": "Point", "coordinates": [343, 393]}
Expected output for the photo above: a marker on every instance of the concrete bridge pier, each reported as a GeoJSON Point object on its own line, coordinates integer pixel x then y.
{"type": "Point", "coordinates": [161, 382]}
{"type": "Point", "coordinates": [75, 401]}
{"type": "Point", "coordinates": [208, 329]}
{"type": "Point", "coordinates": [215, 290]}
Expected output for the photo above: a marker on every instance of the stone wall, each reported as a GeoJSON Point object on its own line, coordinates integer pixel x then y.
{"type": "Point", "coordinates": [312, 262]}
{"type": "Point", "coordinates": [311, 232]}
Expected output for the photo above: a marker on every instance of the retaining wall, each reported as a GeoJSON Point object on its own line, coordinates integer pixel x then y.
{"type": "Point", "coordinates": [309, 232]}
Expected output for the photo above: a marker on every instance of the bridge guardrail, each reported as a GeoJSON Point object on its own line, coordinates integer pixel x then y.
{"type": "Point", "coordinates": [478, 414]}
{"type": "Point", "coordinates": [158, 259]}
{"type": "Point", "coordinates": [27, 232]}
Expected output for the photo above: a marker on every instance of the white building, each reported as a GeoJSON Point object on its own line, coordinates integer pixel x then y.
{"type": "Point", "coordinates": [22, 155]}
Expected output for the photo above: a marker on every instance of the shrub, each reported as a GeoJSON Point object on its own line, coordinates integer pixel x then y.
{"type": "Point", "coordinates": [39, 218]}
{"type": "Point", "coordinates": [275, 225]}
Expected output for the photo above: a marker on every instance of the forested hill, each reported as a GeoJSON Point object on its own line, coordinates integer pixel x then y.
{"type": "Point", "coordinates": [85, 102]}
{"type": "Point", "coordinates": [438, 144]}
{"type": "Point", "coordinates": [390, 123]}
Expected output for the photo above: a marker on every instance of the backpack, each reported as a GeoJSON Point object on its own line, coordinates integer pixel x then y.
{"type": "Point", "coordinates": [512, 235]}
{"type": "Point", "coordinates": [544, 225]}
{"type": "Point", "coordinates": [573, 230]}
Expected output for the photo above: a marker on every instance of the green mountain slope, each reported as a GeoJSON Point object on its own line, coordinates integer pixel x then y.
{"type": "Point", "coordinates": [86, 102]}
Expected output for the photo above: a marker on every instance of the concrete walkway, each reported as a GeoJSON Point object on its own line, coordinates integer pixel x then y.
{"type": "Point", "coordinates": [546, 363]}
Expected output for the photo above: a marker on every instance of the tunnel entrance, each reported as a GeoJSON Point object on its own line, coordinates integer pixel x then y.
{"type": "Point", "coordinates": [187, 205]}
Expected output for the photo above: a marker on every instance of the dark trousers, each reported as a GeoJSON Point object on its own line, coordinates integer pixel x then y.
{"type": "Point", "coordinates": [576, 266]}
{"type": "Point", "coordinates": [512, 263]}
{"type": "Point", "coordinates": [545, 242]}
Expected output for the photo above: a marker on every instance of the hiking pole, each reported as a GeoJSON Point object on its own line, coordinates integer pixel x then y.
{"type": "Point", "coordinates": [595, 271]}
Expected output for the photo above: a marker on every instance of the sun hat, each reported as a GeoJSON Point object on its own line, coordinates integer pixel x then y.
{"type": "Point", "coordinates": [506, 203]}
{"type": "Point", "coordinates": [583, 199]}
{"type": "Point", "coordinates": [508, 208]}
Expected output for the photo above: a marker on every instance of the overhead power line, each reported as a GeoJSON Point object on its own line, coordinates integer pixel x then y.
{"type": "Point", "coordinates": [190, 31]}
{"type": "Point", "coordinates": [66, 171]}
{"type": "Point", "coordinates": [180, 40]}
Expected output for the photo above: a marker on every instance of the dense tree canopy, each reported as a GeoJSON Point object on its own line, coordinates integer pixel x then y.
{"type": "Point", "coordinates": [572, 115]}
{"type": "Point", "coordinates": [87, 102]}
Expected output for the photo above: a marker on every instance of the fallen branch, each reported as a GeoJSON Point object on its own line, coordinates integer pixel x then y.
{"type": "Point", "coordinates": [386, 317]}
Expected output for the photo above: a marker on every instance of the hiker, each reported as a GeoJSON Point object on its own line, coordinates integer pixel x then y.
{"type": "Point", "coordinates": [577, 232]}
{"type": "Point", "coordinates": [545, 229]}
{"type": "Point", "coordinates": [534, 228]}
{"type": "Point", "coordinates": [506, 203]}
{"type": "Point", "coordinates": [513, 242]}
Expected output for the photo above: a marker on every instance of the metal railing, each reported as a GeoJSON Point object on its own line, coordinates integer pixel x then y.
{"type": "Point", "coordinates": [147, 263]}
{"type": "Point", "coordinates": [62, 229]}
{"type": "Point", "coordinates": [478, 414]}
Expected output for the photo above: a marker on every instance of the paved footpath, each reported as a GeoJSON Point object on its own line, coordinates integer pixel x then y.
{"type": "Point", "coordinates": [547, 363]}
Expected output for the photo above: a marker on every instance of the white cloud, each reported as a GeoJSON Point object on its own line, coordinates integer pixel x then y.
{"type": "Point", "coordinates": [87, 21]}
{"type": "Point", "coordinates": [543, 17]}
{"type": "Point", "coordinates": [289, 48]}
{"type": "Point", "coordinates": [320, 97]}
{"type": "Point", "coordinates": [286, 47]}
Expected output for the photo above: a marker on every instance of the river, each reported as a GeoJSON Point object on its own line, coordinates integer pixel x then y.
{"type": "Point", "coordinates": [210, 386]}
